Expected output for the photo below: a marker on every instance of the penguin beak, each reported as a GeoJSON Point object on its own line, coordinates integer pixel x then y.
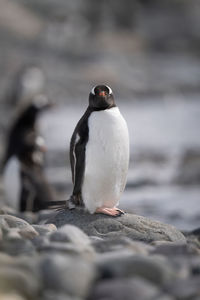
{"type": "Point", "coordinates": [102, 94]}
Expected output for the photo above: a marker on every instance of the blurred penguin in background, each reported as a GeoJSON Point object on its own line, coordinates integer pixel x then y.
{"type": "Point", "coordinates": [25, 184]}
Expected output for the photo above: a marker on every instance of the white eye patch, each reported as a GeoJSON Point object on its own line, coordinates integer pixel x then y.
{"type": "Point", "coordinates": [110, 90]}
{"type": "Point", "coordinates": [92, 90]}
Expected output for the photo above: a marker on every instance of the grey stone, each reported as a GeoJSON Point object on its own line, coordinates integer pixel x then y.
{"type": "Point", "coordinates": [175, 249]}
{"type": "Point", "coordinates": [65, 274]}
{"type": "Point", "coordinates": [40, 241]}
{"type": "Point", "coordinates": [16, 246]}
{"type": "Point", "coordinates": [24, 263]}
{"type": "Point", "coordinates": [129, 289]}
{"type": "Point", "coordinates": [71, 234]}
{"type": "Point", "coordinates": [4, 210]}
{"type": "Point", "coordinates": [188, 288]}
{"type": "Point", "coordinates": [13, 279]}
{"type": "Point", "coordinates": [51, 295]}
{"type": "Point", "coordinates": [13, 221]}
{"type": "Point", "coordinates": [133, 226]}
{"type": "Point", "coordinates": [1, 234]}
{"type": "Point", "coordinates": [13, 233]}
{"type": "Point", "coordinates": [121, 243]}
{"type": "Point", "coordinates": [45, 229]}
{"type": "Point", "coordinates": [156, 269]}
{"type": "Point", "coordinates": [65, 248]}
{"type": "Point", "coordinates": [74, 237]}
{"type": "Point", "coordinates": [11, 296]}
{"type": "Point", "coordinates": [24, 228]}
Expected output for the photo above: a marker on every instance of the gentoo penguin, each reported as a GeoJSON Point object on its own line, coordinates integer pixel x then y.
{"type": "Point", "coordinates": [25, 184]}
{"type": "Point", "coordinates": [99, 155]}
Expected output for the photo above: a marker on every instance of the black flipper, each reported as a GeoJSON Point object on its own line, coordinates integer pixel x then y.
{"type": "Point", "coordinates": [77, 156]}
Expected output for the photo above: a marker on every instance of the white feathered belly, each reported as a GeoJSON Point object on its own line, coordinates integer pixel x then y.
{"type": "Point", "coordinates": [12, 182]}
{"type": "Point", "coordinates": [107, 159]}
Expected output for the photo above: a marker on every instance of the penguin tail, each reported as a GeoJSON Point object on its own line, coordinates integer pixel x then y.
{"type": "Point", "coordinates": [60, 204]}
{"type": "Point", "coordinates": [55, 204]}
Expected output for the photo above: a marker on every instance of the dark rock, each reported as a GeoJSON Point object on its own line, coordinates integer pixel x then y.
{"type": "Point", "coordinates": [196, 232]}
{"type": "Point", "coordinates": [156, 269]}
{"type": "Point", "coordinates": [132, 226]}
{"type": "Point", "coordinates": [65, 274]}
{"type": "Point", "coordinates": [129, 289]}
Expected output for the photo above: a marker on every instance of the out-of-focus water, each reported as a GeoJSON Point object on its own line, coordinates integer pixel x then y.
{"type": "Point", "coordinates": [163, 130]}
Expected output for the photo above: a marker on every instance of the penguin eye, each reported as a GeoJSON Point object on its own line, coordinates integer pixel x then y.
{"type": "Point", "coordinates": [109, 89]}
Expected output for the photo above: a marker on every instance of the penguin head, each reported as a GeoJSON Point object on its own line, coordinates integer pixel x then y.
{"type": "Point", "coordinates": [101, 97]}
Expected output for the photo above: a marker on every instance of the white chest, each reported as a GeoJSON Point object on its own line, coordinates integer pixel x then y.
{"type": "Point", "coordinates": [12, 182]}
{"type": "Point", "coordinates": [107, 158]}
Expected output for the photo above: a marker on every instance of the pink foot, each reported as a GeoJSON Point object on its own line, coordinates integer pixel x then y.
{"type": "Point", "coordinates": [115, 212]}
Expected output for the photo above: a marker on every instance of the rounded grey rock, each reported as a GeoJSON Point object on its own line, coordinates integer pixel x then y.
{"type": "Point", "coordinates": [129, 289]}
{"type": "Point", "coordinates": [14, 279]}
{"type": "Point", "coordinates": [24, 228]}
{"type": "Point", "coordinates": [45, 229]}
{"type": "Point", "coordinates": [51, 295]}
{"type": "Point", "coordinates": [66, 274]}
{"type": "Point", "coordinates": [156, 269]}
{"type": "Point", "coordinates": [132, 226]}
{"type": "Point", "coordinates": [16, 246]}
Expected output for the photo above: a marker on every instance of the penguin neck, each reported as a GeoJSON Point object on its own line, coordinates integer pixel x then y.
{"type": "Point", "coordinates": [92, 108]}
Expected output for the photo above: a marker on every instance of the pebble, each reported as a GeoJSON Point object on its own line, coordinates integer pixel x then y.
{"type": "Point", "coordinates": [66, 274]}
{"type": "Point", "coordinates": [184, 289]}
{"type": "Point", "coordinates": [11, 296]}
{"type": "Point", "coordinates": [20, 281]}
{"type": "Point", "coordinates": [8, 222]}
{"type": "Point", "coordinates": [73, 238]}
{"type": "Point", "coordinates": [153, 268]}
{"type": "Point", "coordinates": [45, 229]}
{"type": "Point", "coordinates": [129, 289]}
{"type": "Point", "coordinates": [173, 249]}
{"type": "Point", "coordinates": [121, 243]}
{"type": "Point", "coordinates": [51, 295]}
{"type": "Point", "coordinates": [17, 246]}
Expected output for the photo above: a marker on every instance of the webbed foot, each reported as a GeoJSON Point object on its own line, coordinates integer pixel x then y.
{"type": "Point", "coordinates": [114, 212]}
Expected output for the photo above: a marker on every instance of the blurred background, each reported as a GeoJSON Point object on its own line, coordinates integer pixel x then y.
{"type": "Point", "coordinates": [148, 52]}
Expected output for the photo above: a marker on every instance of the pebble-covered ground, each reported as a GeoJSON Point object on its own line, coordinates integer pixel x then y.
{"type": "Point", "coordinates": [74, 255]}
